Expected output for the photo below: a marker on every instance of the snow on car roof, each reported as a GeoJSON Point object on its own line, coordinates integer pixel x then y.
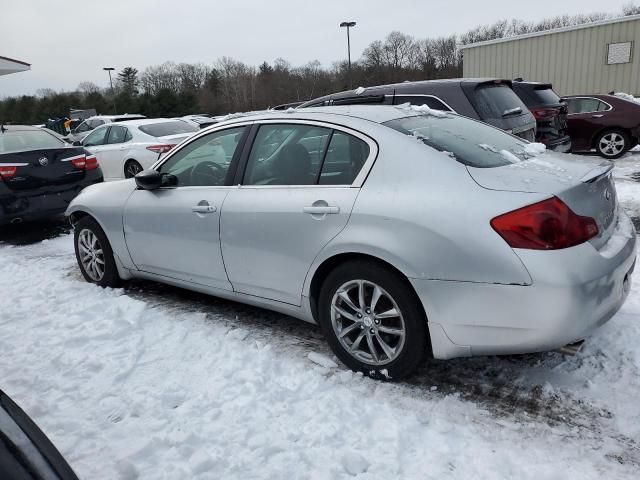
{"type": "Point", "coordinates": [376, 114]}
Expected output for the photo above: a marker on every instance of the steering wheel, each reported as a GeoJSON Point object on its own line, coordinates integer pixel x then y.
{"type": "Point", "coordinates": [207, 173]}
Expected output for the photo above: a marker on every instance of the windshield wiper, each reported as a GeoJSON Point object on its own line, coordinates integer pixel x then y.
{"type": "Point", "coordinates": [511, 111]}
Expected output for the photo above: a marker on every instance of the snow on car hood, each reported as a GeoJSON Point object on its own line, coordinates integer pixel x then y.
{"type": "Point", "coordinates": [545, 173]}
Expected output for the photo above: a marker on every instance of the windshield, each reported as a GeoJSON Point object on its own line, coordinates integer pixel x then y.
{"type": "Point", "coordinates": [467, 141]}
{"type": "Point", "coordinates": [167, 128]}
{"type": "Point", "coordinates": [21, 140]}
{"type": "Point", "coordinates": [496, 101]}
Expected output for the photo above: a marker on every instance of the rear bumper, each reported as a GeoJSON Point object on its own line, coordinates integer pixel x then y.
{"type": "Point", "coordinates": [561, 144]}
{"type": "Point", "coordinates": [32, 205]}
{"type": "Point", "coordinates": [574, 291]}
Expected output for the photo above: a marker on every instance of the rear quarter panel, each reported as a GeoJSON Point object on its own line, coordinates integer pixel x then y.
{"type": "Point", "coordinates": [420, 211]}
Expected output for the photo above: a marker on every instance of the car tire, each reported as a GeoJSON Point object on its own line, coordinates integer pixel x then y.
{"type": "Point", "coordinates": [612, 144]}
{"type": "Point", "coordinates": [363, 326]}
{"type": "Point", "coordinates": [94, 254]}
{"type": "Point", "coordinates": [131, 168]}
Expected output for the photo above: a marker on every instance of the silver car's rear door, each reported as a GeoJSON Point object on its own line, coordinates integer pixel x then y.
{"type": "Point", "coordinates": [299, 186]}
{"type": "Point", "coordinates": [271, 235]}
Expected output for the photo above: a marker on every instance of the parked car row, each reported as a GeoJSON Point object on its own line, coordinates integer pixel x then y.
{"type": "Point", "coordinates": [608, 124]}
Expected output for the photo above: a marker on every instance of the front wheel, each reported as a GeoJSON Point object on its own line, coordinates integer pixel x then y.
{"type": "Point", "coordinates": [613, 144]}
{"type": "Point", "coordinates": [372, 320]}
{"type": "Point", "coordinates": [94, 254]}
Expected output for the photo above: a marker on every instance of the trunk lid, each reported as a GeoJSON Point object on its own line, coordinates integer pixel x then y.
{"type": "Point", "coordinates": [174, 139]}
{"type": "Point", "coordinates": [584, 184]}
{"type": "Point", "coordinates": [35, 169]}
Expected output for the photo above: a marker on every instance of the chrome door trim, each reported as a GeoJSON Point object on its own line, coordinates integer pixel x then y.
{"type": "Point", "coordinates": [358, 181]}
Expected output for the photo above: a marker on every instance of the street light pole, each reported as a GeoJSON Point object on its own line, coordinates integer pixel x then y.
{"type": "Point", "coordinates": [349, 25]}
{"type": "Point", "coordinates": [113, 100]}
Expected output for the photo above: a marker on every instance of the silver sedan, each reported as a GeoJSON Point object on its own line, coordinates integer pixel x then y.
{"type": "Point", "coordinates": [401, 231]}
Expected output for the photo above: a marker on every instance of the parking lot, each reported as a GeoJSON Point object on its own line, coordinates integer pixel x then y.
{"type": "Point", "coordinates": [152, 381]}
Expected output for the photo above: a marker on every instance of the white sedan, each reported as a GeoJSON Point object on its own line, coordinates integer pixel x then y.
{"type": "Point", "coordinates": [126, 148]}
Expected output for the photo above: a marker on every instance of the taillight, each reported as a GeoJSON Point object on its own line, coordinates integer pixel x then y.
{"type": "Point", "coordinates": [160, 148]}
{"type": "Point", "coordinates": [7, 171]}
{"type": "Point", "coordinates": [544, 113]}
{"type": "Point", "coordinates": [85, 162]}
{"type": "Point", "coordinates": [547, 225]}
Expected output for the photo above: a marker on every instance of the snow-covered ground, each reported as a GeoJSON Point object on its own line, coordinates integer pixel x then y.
{"type": "Point", "coordinates": [155, 382]}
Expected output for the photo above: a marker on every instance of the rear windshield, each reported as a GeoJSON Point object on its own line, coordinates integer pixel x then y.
{"type": "Point", "coordinates": [167, 128]}
{"type": "Point", "coordinates": [21, 140]}
{"type": "Point", "coordinates": [496, 101]}
{"type": "Point", "coordinates": [538, 97]}
{"type": "Point", "coordinates": [468, 141]}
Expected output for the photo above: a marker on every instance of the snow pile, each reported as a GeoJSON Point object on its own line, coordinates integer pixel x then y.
{"type": "Point", "coordinates": [627, 96]}
{"type": "Point", "coordinates": [534, 149]}
{"type": "Point", "coordinates": [488, 148]}
{"type": "Point", "coordinates": [359, 90]}
{"type": "Point", "coordinates": [425, 110]}
{"type": "Point", "coordinates": [131, 384]}
{"type": "Point", "coordinates": [509, 156]}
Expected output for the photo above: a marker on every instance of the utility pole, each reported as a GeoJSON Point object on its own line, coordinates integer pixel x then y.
{"type": "Point", "coordinates": [349, 25]}
{"type": "Point", "coordinates": [113, 99]}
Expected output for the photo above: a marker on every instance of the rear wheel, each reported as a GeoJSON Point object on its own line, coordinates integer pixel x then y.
{"type": "Point", "coordinates": [372, 320]}
{"type": "Point", "coordinates": [131, 168]}
{"type": "Point", "coordinates": [94, 254]}
{"type": "Point", "coordinates": [613, 144]}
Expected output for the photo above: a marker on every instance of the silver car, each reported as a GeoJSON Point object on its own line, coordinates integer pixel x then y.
{"type": "Point", "coordinates": [402, 232]}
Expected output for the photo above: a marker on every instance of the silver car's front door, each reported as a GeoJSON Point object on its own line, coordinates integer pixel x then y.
{"type": "Point", "coordinates": [298, 190]}
{"type": "Point", "coordinates": [175, 233]}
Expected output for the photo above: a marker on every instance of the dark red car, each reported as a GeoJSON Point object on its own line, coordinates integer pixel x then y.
{"type": "Point", "coordinates": [606, 123]}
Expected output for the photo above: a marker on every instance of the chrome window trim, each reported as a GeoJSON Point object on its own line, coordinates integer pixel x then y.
{"type": "Point", "coordinates": [357, 182]}
{"type": "Point", "coordinates": [423, 95]}
{"type": "Point", "coordinates": [590, 98]}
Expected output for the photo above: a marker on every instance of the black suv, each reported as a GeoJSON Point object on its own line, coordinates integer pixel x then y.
{"type": "Point", "coordinates": [489, 100]}
{"type": "Point", "coordinates": [550, 113]}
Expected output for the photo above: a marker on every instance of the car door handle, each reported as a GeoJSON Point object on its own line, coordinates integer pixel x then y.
{"type": "Point", "coordinates": [203, 208]}
{"type": "Point", "coordinates": [321, 210]}
{"type": "Point", "coordinates": [597, 116]}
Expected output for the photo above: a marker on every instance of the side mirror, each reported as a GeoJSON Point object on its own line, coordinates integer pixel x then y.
{"type": "Point", "coordinates": [77, 143]}
{"type": "Point", "coordinates": [149, 180]}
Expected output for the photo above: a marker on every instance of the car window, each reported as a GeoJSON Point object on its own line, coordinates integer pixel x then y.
{"type": "Point", "coordinates": [286, 154]}
{"type": "Point", "coordinates": [83, 127]}
{"type": "Point", "coordinates": [117, 135]}
{"type": "Point", "coordinates": [174, 127]}
{"type": "Point", "coordinates": [205, 161]}
{"type": "Point", "coordinates": [21, 140]}
{"type": "Point", "coordinates": [496, 101]}
{"type": "Point", "coordinates": [344, 159]}
{"type": "Point", "coordinates": [95, 123]}
{"type": "Point", "coordinates": [586, 105]}
{"type": "Point", "coordinates": [97, 137]}
{"type": "Point", "coordinates": [468, 141]}
{"type": "Point", "coordinates": [419, 100]}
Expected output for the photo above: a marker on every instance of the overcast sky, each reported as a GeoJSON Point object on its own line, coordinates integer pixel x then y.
{"type": "Point", "coordinates": [69, 41]}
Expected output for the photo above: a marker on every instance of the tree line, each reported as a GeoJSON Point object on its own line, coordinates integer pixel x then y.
{"type": "Point", "coordinates": [228, 85]}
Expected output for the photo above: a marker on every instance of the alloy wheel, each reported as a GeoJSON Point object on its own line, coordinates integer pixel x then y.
{"type": "Point", "coordinates": [132, 169]}
{"type": "Point", "coordinates": [612, 144]}
{"type": "Point", "coordinates": [367, 322]}
{"type": "Point", "coordinates": [91, 254]}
